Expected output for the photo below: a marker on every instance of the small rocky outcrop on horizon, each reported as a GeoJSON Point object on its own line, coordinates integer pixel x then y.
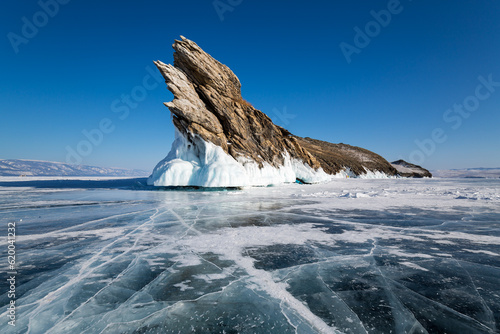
{"type": "Point", "coordinates": [208, 108]}
{"type": "Point", "coordinates": [406, 169]}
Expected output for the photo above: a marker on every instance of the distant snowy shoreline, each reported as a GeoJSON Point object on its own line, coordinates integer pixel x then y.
{"type": "Point", "coordinates": [62, 178]}
{"type": "Point", "coordinates": [484, 173]}
{"type": "Point", "coordinates": [30, 168]}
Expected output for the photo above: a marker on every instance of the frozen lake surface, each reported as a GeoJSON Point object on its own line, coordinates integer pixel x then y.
{"type": "Point", "coordinates": [350, 256]}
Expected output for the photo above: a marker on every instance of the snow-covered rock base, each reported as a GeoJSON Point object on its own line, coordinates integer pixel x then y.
{"type": "Point", "coordinates": [200, 163]}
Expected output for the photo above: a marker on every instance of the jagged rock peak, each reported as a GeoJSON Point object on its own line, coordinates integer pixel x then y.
{"type": "Point", "coordinates": [204, 70]}
{"type": "Point", "coordinates": [208, 102]}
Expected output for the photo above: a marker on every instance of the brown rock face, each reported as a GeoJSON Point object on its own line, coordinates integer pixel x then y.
{"type": "Point", "coordinates": [208, 103]}
{"type": "Point", "coordinates": [335, 157]}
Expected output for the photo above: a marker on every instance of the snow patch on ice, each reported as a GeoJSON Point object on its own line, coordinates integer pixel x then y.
{"type": "Point", "coordinates": [354, 195]}
{"type": "Point", "coordinates": [103, 234]}
{"type": "Point", "coordinates": [400, 253]}
{"type": "Point", "coordinates": [187, 260]}
{"type": "Point", "coordinates": [208, 278]}
{"type": "Point", "coordinates": [481, 252]}
{"type": "Point", "coordinates": [414, 266]}
{"type": "Point", "coordinates": [183, 286]}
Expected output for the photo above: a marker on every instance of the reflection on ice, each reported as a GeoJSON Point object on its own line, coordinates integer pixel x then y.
{"type": "Point", "coordinates": [351, 256]}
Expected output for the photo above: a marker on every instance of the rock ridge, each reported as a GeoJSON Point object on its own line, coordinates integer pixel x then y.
{"type": "Point", "coordinates": [406, 169]}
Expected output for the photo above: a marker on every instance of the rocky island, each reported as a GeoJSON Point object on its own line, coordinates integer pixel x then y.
{"type": "Point", "coordinates": [223, 141]}
{"type": "Point", "coordinates": [406, 169]}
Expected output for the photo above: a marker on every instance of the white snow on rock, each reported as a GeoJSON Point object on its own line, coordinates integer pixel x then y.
{"type": "Point", "coordinates": [203, 164]}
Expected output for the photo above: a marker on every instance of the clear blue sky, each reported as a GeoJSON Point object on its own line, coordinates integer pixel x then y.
{"type": "Point", "coordinates": [66, 76]}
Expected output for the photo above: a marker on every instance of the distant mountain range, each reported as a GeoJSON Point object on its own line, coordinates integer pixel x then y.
{"type": "Point", "coordinates": [21, 167]}
{"type": "Point", "coordinates": [490, 173]}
